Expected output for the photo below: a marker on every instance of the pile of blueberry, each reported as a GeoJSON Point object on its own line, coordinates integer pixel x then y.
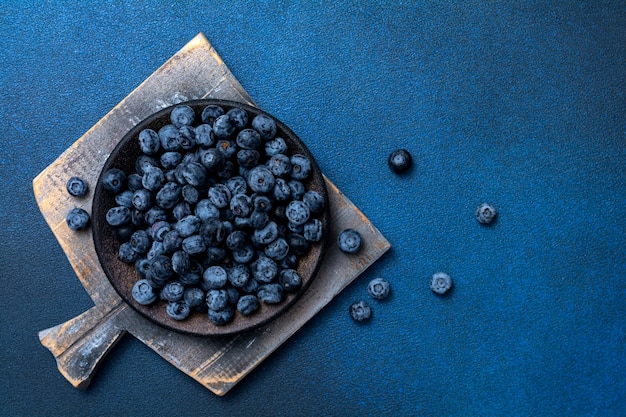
{"type": "Point", "coordinates": [215, 214]}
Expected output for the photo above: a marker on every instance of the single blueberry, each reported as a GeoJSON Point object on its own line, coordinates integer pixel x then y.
{"type": "Point", "coordinates": [155, 214]}
{"type": "Point", "coordinates": [248, 304]}
{"type": "Point", "coordinates": [349, 241]}
{"type": "Point", "coordinates": [181, 262]}
{"type": "Point", "coordinates": [194, 245]}
{"type": "Point", "coordinates": [248, 158]}
{"type": "Point", "coordinates": [140, 241]}
{"type": "Point", "coordinates": [290, 280]}
{"type": "Point", "coordinates": [261, 203]}
{"type": "Point", "coordinates": [78, 219]}
{"type": "Point", "coordinates": [193, 275]}
{"type": "Point", "coordinates": [172, 291]}
{"type": "Point", "coordinates": [159, 229]}
{"type": "Point", "coordinates": [248, 139]}
{"type": "Point", "coordinates": [142, 266]}
{"type": "Point", "coordinates": [204, 135]}
{"type": "Point", "coordinates": [281, 191]}
{"type": "Point", "coordinates": [170, 160]}
{"type": "Point", "coordinates": [300, 167]}
{"type": "Point", "coordinates": [125, 198]}
{"type": "Point", "coordinates": [210, 113]}
{"type": "Point", "coordinates": [314, 200]}
{"type": "Point", "coordinates": [440, 283]}
{"type": "Point", "coordinates": [181, 210]}
{"type": "Point", "coordinates": [217, 299]}
{"type": "Point", "coordinates": [222, 317]}
{"type": "Point", "coordinates": [149, 142]}
{"type": "Point", "coordinates": [238, 275]}
{"type": "Point", "coordinates": [215, 277]}
{"type": "Point", "coordinates": [297, 212]}
{"type": "Point", "coordinates": [297, 244]}
{"type": "Point", "coordinates": [142, 199]}
{"type": "Point", "coordinates": [144, 161]}
{"type": "Point", "coordinates": [241, 205]}
{"type": "Point", "coordinates": [194, 173]}
{"type": "Point", "coordinates": [143, 292]}
{"type": "Point", "coordinates": [360, 311]}
{"type": "Point", "coordinates": [297, 189]}
{"type": "Point", "coordinates": [258, 219]}
{"type": "Point", "coordinates": [205, 209]}
{"type": "Point", "coordinates": [155, 250]}
{"type": "Point", "coordinates": [190, 194]}
{"type": "Point", "coordinates": [261, 180]}
{"type": "Point", "coordinates": [182, 115]}
{"type": "Point", "coordinates": [133, 182]}
{"type": "Point", "coordinates": [161, 269]}
{"type": "Point", "coordinates": [277, 249]}
{"type": "Point", "coordinates": [178, 310]}
{"type": "Point", "coordinates": [280, 165]}
{"type": "Point", "coordinates": [113, 180]}
{"type": "Point", "coordinates": [486, 213]}
{"type": "Point", "coordinates": [124, 232]}
{"type": "Point", "coordinates": [237, 239]}
{"type": "Point", "coordinates": [265, 125]}
{"type": "Point", "coordinates": [220, 196]}
{"type": "Point", "coordinates": [266, 235]}
{"type": "Point", "coordinates": [275, 146]}
{"type": "Point", "coordinates": [270, 293]}
{"type": "Point", "coordinates": [227, 147]}
{"type": "Point", "coordinates": [169, 195]}
{"type": "Point", "coordinates": [117, 216]}
{"type": "Point", "coordinates": [264, 269]}
{"type": "Point", "coordinates": [313, 230]}
{"type": "Point", "coordinates": [379, 288]}
{"type": "Point", "coordinates": [76, 187]}
{"type": "Point", "coordinates": [245, 254]}
{"type": "Point", "coordinates": [127, 254]}
{"type": "Point", "coordinates": [172, 241]}
{"type": "Point", "coordinates": [238, 116]}
{"type": "Point", "coordinates": [195, 298]}
{"type": "Point", "coordinates": [237, 185]}
{"type": "Point", "coordinates": [153, 178]}
{"type": "Point", "coordinates": [188, 225]}
{"type": "Point", "coordinates": [400, 160]}
{"type": "Point", "coordinates": [212, 231]}
{"type": "Point", "coordinates": [223, 127]}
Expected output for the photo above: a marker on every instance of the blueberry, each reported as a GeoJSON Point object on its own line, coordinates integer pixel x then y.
{"type": "Point", "coordinates": [142, 199]}
{"type": "Point", "coordinates": [142, 266]}
{"type": "Point", "coordinates": [238, 116]}
{"type": "Point", "coordinates": [265, 126]}
{"type": "Point", "coordinates": [153, 178]}
{"type": "Point", "coordinates": [290, 280]}
{"type": "Point", "coordinates": [279, 164]}
{"type": "Point", "coordinates": [140, 241]}
{"type": "Point", "coordinates": [258, 219]}
{"type": "Point", "coordinates": [161, 269]}
{"type": "Point", "coordinates": [266, 235]}
{"type": "Point", "coordinates": [297, 244]}
{"type": "Point", "coordinates": [194, 245]}
{"type": "Point", "coordinates": [486, 213]}
{"type": "Point", "coordinates": [181, 263]}
{"type": "Point", "coordinates": [222, 317]}
{"type": "Point", "coordinates": [215, 277]}
{"type": "Point", "coordinates": [127, 254]}
{"type": "Point", "coordinates": [236, 240]}
{"type": "Point", "coordinates": [227, 147]}
{"type": "Point", "coordinates": [149, 142]}
{"type": "Point", "coordinates": [159, 229]}
{"type": "Point", "coordinates": [248, 158]}
{"type": "Point", "coordinates": [144, 161]}
{"type": "Point", "coordinates": [264, 269]}
{"type": "Point", "coordinates": [251, 287]}
{"type": "Point", "coordinates": [440, 283]}
{"type": "Point", "coordinates": [210, 113]}
{"type": "Point", "coordinates": [76, 187]}
{"type": "Point", "coordinates": [125, 198]}
{"type": "Point", "coordinates": [297, 212]}
{"type": "Point", "coordinates": [77, 219]}
{"type": "Point", "coordinates": [295, 228]}
{"type": "Point", "coordinates": [300, 167]}
{"type": "Point", "coordinates": [223, 127]}
{"type": "Point", "coordinates": [137, 217]}
{"type": "Point", "coordinates": [169, 195]}
{"type": "Point", "coordinates": [193, 275]}
{"type": "Point", "coordinates": [155, 214]}
{"type": "Point", "coordinates": [117, 216]}
{"type": "Point", "coordinates": [204, 135]}
{"type": "Point", "coordinates": [379, 288]}
{"type": "Point", "coordinates": [270, 293]}
{"type": "Point", "coordinates": [313, 230]}
{"type": "Point", "coordinates": [245, 254]}
{"type": "Point", "coordinates": [181, 210]}
{"type": "Point", "coordinates": [194, 173]}
{"type": "Point", "coordinates": [186, 138]}
{"type": "Point", "coordinates": [281, 191]}
{"type": "Point", "coordinates": [113, 180]}
{"type": "Point", "coordinates": [314, 200]}
{"type": "Point", "coordinates": [248, 139]}
{"type": "Point", "coordinates": [168, 135]}
{"type": "Point", "coordinates": [261, 180]}
{"type": "Point", "coordinates": [170, 160]}
{"type": "Point", "coordinates": [238, 275]}
{"type": "Point", "coordinates": [237, 185]}
{"type": "Point", "coordinates": [297, 189]}
{"type": "Point", "coordinates": [178, 310]}
{"type": "Point", "coordinates": [217, 299]}
{"type": "Point", "coordinates": [212, 231]}
{"type": "Point", "coordinates": [349, 241]}
{"type": "Point", "coordinates": [400, 160]}
{"type": "Point", "coordinates": [360, 311]}
{"type": "Point", "coordinates": [277, 249]}
{"type": "Point", "coordinates": [219, 195]}
{"type": "Point", "coordinates": [172, 291]}
{"type": "Point", "coordinates": [188, 225]}
{"type": "Point", "coordinates": [214, 255]}
{"type": "Point", "coordinates": [182, 115]}
{"type": "Point", "coordinates": [205, 209]}
{"type": "Point", "coordinates": [241, 205]}
{"type": "Point", "coordinates": [248, 304]}
{"type": "Point", "coordinates": [261, 203]}
{"type": "Point", "coordinates": [155, 250]}
{"type": "Point", "coordinates": [212, 159]}
{"type": "Point", "coordinates": [195, 298]}
{"type": "Point", "coordinates": [133, 182]}
{"type": "Point", "coordinates": [143, 292]}
{"type": "Point", "coordinates": [275, 146]}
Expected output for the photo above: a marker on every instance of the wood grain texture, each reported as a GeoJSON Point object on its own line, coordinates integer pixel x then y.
{"type": "Point", "coordinates": [79, 345]}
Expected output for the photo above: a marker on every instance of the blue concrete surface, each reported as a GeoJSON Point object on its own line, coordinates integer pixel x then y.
{"type": "Point", "coordinates": [520, 104]}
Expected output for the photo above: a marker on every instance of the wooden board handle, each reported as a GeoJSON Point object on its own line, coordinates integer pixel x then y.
{"type": "Point", "coordinates": [79, 344]}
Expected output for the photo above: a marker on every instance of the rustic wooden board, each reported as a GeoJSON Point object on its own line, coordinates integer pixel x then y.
{"type": "Point", "coordinates": [79, 345]}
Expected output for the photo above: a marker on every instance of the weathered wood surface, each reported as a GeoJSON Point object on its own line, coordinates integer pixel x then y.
{"type": "Point", "coordinates": [80, 344]}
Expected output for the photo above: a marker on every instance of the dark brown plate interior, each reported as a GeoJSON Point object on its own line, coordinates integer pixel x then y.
{"type": "Point", "coordinates": [123, 276]}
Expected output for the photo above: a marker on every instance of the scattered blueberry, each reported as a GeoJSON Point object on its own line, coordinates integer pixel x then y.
{"type": "Point", "coordinates": [360, 311]}
{"type": "Point", "coordinates": [486, 213]}
{"type": "Point", "coordinates": [149, 142]}
{"type": "Point", "coordinates": [77, 219]}
{"type": "Point", "coordinates": [182, 115]}
{"type": "Point", "coordinates": [379, 288]}
{"type": "Point", "coordinates": [265, 126]}
{"type": "Point", "coordinates": [440, 283]}
{"type": "Point", "coordinates": [143, 292]}
{"type": "Point", "coordinates": [76, 186]}
{"type": "Point", "coordinates": [178, 310]}
{"type": "Point", "coordinates": [349, 241]}
{"type": "Point", "coordinates": [270, 293]}
{"type": "Point", "coordinates": [113, 180]}
{"type": "Point", "coordinates": [400, 160]}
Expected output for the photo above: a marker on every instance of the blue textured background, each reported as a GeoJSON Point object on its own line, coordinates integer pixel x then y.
{"type": "Point", "coordinates": [520, 104]}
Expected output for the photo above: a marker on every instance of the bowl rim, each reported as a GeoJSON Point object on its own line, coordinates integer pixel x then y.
{"type": "Point", "coordinates": [197, 326]}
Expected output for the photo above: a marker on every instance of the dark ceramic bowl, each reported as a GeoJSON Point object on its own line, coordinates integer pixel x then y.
{"type": "Point", "coordinates": [123, 276]}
